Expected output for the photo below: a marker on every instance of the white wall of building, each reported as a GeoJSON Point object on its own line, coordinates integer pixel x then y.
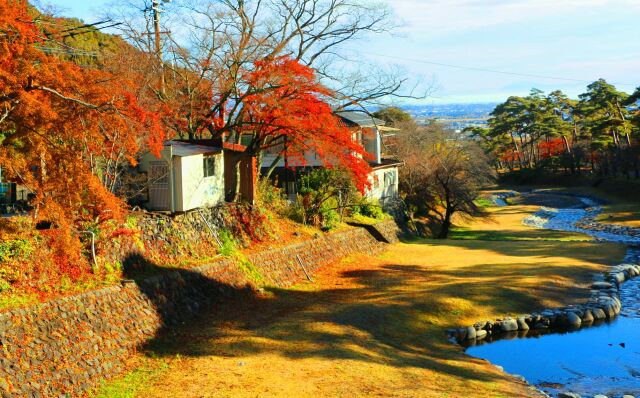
{"type": "Point", "coordinates": [384, 184]}
{"type": "Point", "coordinates": [193, 189]}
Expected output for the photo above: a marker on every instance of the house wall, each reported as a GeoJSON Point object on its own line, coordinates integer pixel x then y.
{"type": "Point", "coordinates": [311, 159]}
{"type": "Point", "coordinates": [159, 199]}
{"type": "Point", "coordinates": [370, 138]}
{"type": "Point", "coordinates": [192, 188]}
{"type": "Point", "coordinates": [383, 189]}
{"type": "Point", "coordinates": [372, 142]}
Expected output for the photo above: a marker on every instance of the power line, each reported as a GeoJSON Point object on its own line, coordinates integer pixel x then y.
{"type": "Point", "coordinates": [475, 69]}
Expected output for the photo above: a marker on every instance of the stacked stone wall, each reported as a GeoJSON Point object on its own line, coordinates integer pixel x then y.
{"type": "Point", "coordinates": [66, 346]}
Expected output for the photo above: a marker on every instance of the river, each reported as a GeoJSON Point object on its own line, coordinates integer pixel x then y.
{"type": "Point", "coordinates": [601, 359]}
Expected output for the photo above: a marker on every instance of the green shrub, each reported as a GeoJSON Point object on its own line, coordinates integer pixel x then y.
{"type": "Point", "coordinates": [329, 215]}
{"type": "Point", "coordinates": [229, 244]}
{"type": "Point", "coordinates": [4, 285]}
{"type": "Point", "coordinates": [370, 208]}
{"type": "Point", "coordinates": [11, 249]}
{"type": "Point", "coordinates": [323, 193]}
{"type": "Point", "coordinates": [270, 196]}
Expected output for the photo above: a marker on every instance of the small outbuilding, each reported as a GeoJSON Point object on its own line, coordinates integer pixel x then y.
{"type": "Point", "coordinates": [187, 176]}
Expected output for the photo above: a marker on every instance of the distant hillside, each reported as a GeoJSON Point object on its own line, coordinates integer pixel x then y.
{"type": "Point", "coordinates": [451, 111]}
{"type": "Point", "coordinates": [72, 40]}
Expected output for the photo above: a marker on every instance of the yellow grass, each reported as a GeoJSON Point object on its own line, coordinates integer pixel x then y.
{"type": "Point", "coordinates": [505, 223]}
{"type": "Point", "coordinates": [622, 214]}
{"type": "Point", "coordinates": [373, 326]}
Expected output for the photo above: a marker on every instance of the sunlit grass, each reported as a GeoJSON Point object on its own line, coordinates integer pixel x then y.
{"type": "Point", "coordinates": [147, 371]}
{"type": "Point", "coordinates": [375, 326]}
{"type": "Point", "coordinates": [506, 223]}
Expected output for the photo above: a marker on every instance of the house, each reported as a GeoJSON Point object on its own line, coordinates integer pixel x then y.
{"type": "Point", "coordinates": [383, 178]}
{"type": "Point", "coordinates": [14, 197]}
{"type": "Point", "coordinates": [186, 176]}
{"type": "Point", "coordinates": [367, 130]}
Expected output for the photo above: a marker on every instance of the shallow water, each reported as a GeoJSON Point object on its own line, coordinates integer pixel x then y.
{"type": "Point", "coordinates": [603, 359]}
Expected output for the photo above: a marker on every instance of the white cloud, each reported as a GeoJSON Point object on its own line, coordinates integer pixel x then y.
{"type": "Point", "coordinates": [434, 17]}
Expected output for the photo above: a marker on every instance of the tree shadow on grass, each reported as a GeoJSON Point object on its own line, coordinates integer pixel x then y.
{"type": "Point", "coordinates": [176, 294]}
{"type": "Point", "coordinates": [392, 315]}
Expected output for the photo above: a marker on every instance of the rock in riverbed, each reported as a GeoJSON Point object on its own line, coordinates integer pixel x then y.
{"type": "Point", "coordinates": [573, 320]}
{"type": "Point", "coordinates": [598, 314]}
{"type": "Point", "coordinates": [569, 395]}
{"type": "Point", "coordinates": [601, 285]}
{"type": "Point", "coordinates": [509, 325]}
{"type": "Point", "coordinates": [471, 333]}
{"type": "Point", "coordinates": [522, 324]}
{"type": "Point", "coordinates": [587, 317]}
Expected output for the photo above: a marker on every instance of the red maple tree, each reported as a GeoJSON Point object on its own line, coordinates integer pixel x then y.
{"type": "Point", "coordinates": [63, 126]}
{"type": "Point", "coordinates": [284, 107]}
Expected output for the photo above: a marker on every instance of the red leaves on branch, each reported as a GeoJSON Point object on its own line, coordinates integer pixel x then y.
{"type": "Point", "coordinates": [66, 127]}
{"type": "Point", "coordinates": [551, 148]}
{"type": "Point", "coordinates": [284, 108]}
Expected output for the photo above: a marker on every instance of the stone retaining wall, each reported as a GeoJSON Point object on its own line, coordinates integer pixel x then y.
{"type": "Point", "coordinates": [66, 346]}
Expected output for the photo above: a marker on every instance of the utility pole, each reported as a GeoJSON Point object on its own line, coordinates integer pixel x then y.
{"type": "Point", "coordinates": [156, 28]}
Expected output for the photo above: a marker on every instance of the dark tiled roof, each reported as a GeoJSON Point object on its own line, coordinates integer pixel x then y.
{"type": "Point", "coordinates": [361, 119]}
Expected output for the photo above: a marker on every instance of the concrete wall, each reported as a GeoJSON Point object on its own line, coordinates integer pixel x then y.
{"type": "Point", "coordinates": [65, 347]}
{"type": "Point", "coordinates": [193, 189]}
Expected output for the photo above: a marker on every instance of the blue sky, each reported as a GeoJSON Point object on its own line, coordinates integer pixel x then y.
{"type": "Point", "coordinates": [569, 39]}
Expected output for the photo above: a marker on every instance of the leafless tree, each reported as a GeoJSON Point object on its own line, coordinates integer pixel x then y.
{"type": "Point", "coordinates": [443, 174]}
{"type": "Point", "coordinates": [208, 44]}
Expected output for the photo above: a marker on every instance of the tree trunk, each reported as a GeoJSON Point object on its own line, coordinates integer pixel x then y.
{"type": "Point", "coordinates": [446, 223]}
{"type": "Point", "coordinates": [273, 166]}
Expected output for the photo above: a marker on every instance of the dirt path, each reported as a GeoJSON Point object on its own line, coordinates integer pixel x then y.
{"type": "Point", "coordinates": [373, 326]}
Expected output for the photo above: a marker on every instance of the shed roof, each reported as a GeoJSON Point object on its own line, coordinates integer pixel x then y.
{"type": "Point", "coordinates": [386, 164]}
{"type": "Point", "coordinates": [361, 119]}
{"type": "Point", "coordinates": [183, 149]}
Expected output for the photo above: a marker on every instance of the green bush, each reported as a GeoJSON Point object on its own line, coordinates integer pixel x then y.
{"type": "Point", "coordinates": [229, 244]}
{"type": "Point", "coordinates": [370, 208]}
{"type": "Point", "coordinates": [4, 285]}
{"type": "Point", "coordinates": [15, 249]}
{"type": "Point", "coordinates": [323, 193]}
{"type": "Point", "coordinates": [270, 196]}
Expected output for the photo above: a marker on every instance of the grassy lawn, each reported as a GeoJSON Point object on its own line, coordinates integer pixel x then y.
{"type": "Point", "coordinates": [505, 223]}
{"type": "Point", "coordinates": [370, 326]}
{"type": "Point", "coordinates": [621, 213]}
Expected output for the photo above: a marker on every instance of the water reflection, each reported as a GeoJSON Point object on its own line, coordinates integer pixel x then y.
{"type": "Point", "coordinates": [601, 359]}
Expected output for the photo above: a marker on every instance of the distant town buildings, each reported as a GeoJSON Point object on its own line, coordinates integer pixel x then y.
{"type": "Point", "coordinates": [454, 116]}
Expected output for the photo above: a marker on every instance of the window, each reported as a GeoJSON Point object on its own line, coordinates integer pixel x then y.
{"type": "Point", "coordinates": [389, 178]}
{"type": "Point", "coordinates": [209, 165]}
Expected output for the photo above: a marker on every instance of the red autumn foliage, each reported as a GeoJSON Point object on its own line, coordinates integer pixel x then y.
{"type": "Point", "coordinates": [65, 252]}
{"type": "Point", "coordinates": [65, 126]}
{"type": "Point", "coordinates": [248, 223]}
{"type": "Point", "coordinates": [551, 148]}
{"type": "Point", "coordinates": [284, 107]}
